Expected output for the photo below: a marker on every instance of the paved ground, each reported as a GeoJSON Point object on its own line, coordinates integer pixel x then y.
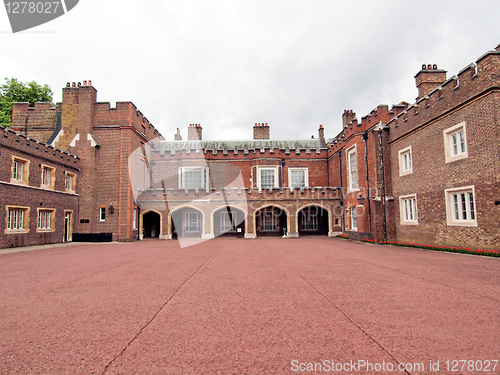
{"type": "Point", "coordinates": [246, 307]}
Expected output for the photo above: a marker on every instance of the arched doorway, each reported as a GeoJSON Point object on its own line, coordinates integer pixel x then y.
{"type": "Point", "coordinates": [229, 221]}
{"type": "Point", "coordinates": [313, 220]}
{"type": "Point", "coordinates": [151, 225]}
{"type": "Point", "coordinates": [187, 222]}
{"type": "Point", "coordinates": [271, 221]}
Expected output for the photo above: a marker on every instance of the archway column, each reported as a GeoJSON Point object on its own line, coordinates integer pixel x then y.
{"type": "Point", "coordinates": [250, 224]}
{"type": "Point", "coordinates": [166, 233]}
{"type": "Point", "coordinates": [293, 225]}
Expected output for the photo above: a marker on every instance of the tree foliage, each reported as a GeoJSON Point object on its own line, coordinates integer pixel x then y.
{"type": "Point", "coordinates": [16, 91]}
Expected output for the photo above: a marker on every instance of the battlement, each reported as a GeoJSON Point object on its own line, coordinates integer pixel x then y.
{"type": "Point", "coordinates": [381, 114]}
{"type": "Point", "coordinates": [30, 146]}
{"type": "Point", "coordinates": [158, 193]}
{"type": "Point", "coordinates": [246, 149]}
{"type": "Point", "coordinates": [123, 114]}
{"type": "Point", "coordinates": [472, 81]}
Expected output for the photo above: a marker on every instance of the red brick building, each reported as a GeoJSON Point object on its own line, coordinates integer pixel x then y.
{"type": "Point", "coordinates": [427, 172]}
{"type": "Point", "coordinates": [261, 187]}
{"type": "Point", "coordinates": [445, 158]}
{"type": "Point", "coordinates": [39, 191]}
{"type": "Point", "coordinates": [434, 164]}
{"type": "Point", "coordinates": [103, 138]}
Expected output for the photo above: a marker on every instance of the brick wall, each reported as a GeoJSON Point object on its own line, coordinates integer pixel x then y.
{"type": "Point", "coordinates": [30, 193]}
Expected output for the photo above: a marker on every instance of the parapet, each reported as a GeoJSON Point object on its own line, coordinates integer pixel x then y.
{"type": "Point", "coordinates": [28, 145]}
{"type": "Point", "coordinates": [471, 81]}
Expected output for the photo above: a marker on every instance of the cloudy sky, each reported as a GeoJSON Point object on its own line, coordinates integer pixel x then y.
{"type": "Point", "coordinates": [228, 64]}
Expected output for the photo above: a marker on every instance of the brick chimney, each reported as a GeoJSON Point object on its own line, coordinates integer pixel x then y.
{"type": "Point", "coordinates": [428, 79]}
{"type": "Point", "coordinates": [347, 117]}
{"type": "Point", "coordinates": [321, 132]}
{"type": "Point", "coordinates": [194, 132]}
{"type": "Point", "coordinates": [178, 136]}
{"type": "Point", "coordinates": [261, 131]}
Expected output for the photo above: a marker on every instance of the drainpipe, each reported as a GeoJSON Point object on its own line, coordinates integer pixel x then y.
{"type": "Point", "coordinates": [365, 138]}
{"type": "Point", "coordinates": [383, 181]}
{"type": "Point", "coordinates": [341, 191]}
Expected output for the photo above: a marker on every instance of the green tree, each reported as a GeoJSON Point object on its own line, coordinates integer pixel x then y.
{"type": "Point", "coordinates": [15, 91]}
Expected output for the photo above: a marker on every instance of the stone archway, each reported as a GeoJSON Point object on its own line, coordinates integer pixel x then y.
{"type": "Point", "coordinates": [187, 222]}
{"type": "Point", "coordinates": [228, 221]}
{"type": "Point", "coordinates": [271, 221]}
{"type": "Point", "coordinates": [313, 219]}
{"type": "Point", "coordinates": [151, 224]}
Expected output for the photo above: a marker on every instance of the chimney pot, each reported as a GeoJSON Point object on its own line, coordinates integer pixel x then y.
{"type": "Point", "coordinates": [73, 84]}
{"type": "Point", "coordinates": [68, 84]}
{"type": "Point", "coordinates": [85, 82]}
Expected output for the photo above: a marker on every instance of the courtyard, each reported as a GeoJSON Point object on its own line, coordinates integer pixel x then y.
{"type": "Point", "coordinates": [235, 306]}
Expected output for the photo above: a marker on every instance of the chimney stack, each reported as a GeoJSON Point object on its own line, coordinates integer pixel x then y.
{"type": "Point", "coordinates": [347, 117]}
{"type": "Point", "coordinates": [429, 78]}
{"type": "Point", "coordinates": [194, 132]}
{"type": "Point", "coordinates": [261, 131]}
{"type": "Point", "coordinates": [177, 136]}
{"type": "Point", "coordinates": [321, 132]}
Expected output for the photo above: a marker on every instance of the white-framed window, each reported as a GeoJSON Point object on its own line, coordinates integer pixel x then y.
{"type": "Point", "coordinates": [354, 218]}
{"type": "Point", "coordinates": [17, 219]}
{"type": "Point", "coordinates": [226, 222]}
{"type": "Point", "coordinates": [461, 206]}
{"type": "Point", "coordinates": [20, 170]}
{"type": "Point", "coordinates": [408, 209]}
{"type": "Point", "coordinates": [268, 221]}
{"type": "Point", "coordinates": [298, 178]}
{"type": "Point", "coordinates": [48, 177]}
{"type": "Point", "coordinates": [405, 161]}
{"type": "Point", "coordinates": [352, 168]}
{"type": "Point", "coordinates": [134, 219]}
{"type": "Point", "coordinates": [309, 219]}
{"type": "Point", "coordinates": [192, 222]}
{"type": "Point", "coordinates": [70, 181]}
{"type": "Point", "coordinates": [267, 177]}
{"type": "Point", "coordinates": [46, 218]}
{"type": "Point", "coordinates": [193, 178]}
{"type": "Point", "coordinates": [102, 213]}
{"type": "Point", "coordinates": [455, 143]}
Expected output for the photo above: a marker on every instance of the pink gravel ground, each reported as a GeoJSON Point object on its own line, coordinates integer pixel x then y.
{"type": "Point", "coordinates": [234, 306]}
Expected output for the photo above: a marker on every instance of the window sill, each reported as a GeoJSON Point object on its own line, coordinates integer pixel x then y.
{"type": "Point", "coordinates": [462, 224]}
{"type": "Point", "coordinates": [451, 159]}
{"type": "Point", "coordinates": [409, 223]}
{"type": "Point", "coordinates": [16, 231]}
{"type": "Point", "coordinates": [45, 230]}
{"type": "Point", "coordinates": [18, 182]}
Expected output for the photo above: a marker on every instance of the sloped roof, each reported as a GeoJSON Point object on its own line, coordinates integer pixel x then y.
{"type": "Point", "coordinates": [240, 145]}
